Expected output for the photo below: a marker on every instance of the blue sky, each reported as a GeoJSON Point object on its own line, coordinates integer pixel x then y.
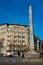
{"type": "Point", "coordinates": [16, 11]}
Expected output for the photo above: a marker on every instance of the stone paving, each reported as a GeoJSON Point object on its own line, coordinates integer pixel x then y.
{"type": "Point", "coordinates": [9, 60]}
{"type": "Point", "coordinates": [23, 63]}
{"type": "Point", "coordinates": [32, 60]}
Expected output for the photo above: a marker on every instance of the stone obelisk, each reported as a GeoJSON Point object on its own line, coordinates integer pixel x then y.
{"type": "Point", "coordinates": [31, 29]}
{"type": "Point", "coordinates": [33, 53]}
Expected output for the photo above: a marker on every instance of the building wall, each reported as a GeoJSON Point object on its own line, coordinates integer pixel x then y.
{"type": "Point", "coordinates": [16, 37]}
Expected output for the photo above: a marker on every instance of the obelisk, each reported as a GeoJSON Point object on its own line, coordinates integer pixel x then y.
{"type": "Point", "coordinates": [31, 29]}
{"type": "Point", "coordinates": [33, 53]}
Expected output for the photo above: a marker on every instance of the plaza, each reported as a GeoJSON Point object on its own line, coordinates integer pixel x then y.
{"type": "Point", "coordinates": [19, 40]}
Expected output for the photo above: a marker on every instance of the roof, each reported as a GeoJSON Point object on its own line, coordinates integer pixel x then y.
{"type": "Point", "coordinates": [14, 24]}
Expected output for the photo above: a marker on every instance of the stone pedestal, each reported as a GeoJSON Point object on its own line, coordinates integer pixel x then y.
{"type": "Point", "coordinates": [33, 54]}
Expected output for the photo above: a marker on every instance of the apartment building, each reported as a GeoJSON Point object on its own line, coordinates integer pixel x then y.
{"type": "Point", "coordinates": [16, 38]}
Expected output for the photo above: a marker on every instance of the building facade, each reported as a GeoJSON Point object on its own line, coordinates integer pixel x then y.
{"type": "Point", "coordinates": [16, 38]}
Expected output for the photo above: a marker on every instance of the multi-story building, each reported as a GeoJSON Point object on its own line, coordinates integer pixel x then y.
{"type": "Point", "coordinates": [16, 38]}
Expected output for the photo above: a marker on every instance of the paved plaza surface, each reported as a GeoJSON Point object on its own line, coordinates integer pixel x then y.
{"type": "Point", "coordinates": [15, 60]}
{"type": "Point", "coordinates": [23, 63]}
{"type": "Point", "coordinates": [11, 61]}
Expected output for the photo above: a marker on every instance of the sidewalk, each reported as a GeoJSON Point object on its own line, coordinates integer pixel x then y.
{"type": "Point", "coordinates": [31, 60]}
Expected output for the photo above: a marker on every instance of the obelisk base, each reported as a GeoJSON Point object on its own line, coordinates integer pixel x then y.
{"type": "Point", "coordinates": [33, 54]}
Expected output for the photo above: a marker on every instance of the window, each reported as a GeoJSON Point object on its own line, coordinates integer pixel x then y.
{"type": "Point", "coordinates": [8, 47]}
{"type": "Point", "coordinates": [19, 36]}
{"type": "Point", "coordinates": [3, 28]}
{"type": "Point", "coordinates": [15, 30]}
{"type": "Point", "coordinates": [23, 43]}
{"type": "Point", "coordinates": [3, 32]}
{"type": "Point", "coordinates": [23, 35]}
{"type": "Point", "coordinates": [19, 39]}
{"type": "Point", "coordinates": [15, 26]}
{"type": "Point", "coordinates": [14, 43]}
{"type": "Point", "coordinates": [23, 39]}
{"type": "Point", "coordinates": [9, 43]}
{"type": "Point", "coordinates": [19, 43]}
{"type": "Point", "coordinates": [27, 31]}
{"type": "Point", "coordinates": [15, 39]}
{"type": "Point", "coordinates": [15, 48]}
{"type": "Point", "coordinates": [9, 34]}
{"type": "Point", "coordinates": [9, 30]}
{"type": "Point", "coordinates": [14, 34]}
{"type": "Point", "coordinates": [20, 29]}
{"type": "Point", "coordinates": [9, 38]}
